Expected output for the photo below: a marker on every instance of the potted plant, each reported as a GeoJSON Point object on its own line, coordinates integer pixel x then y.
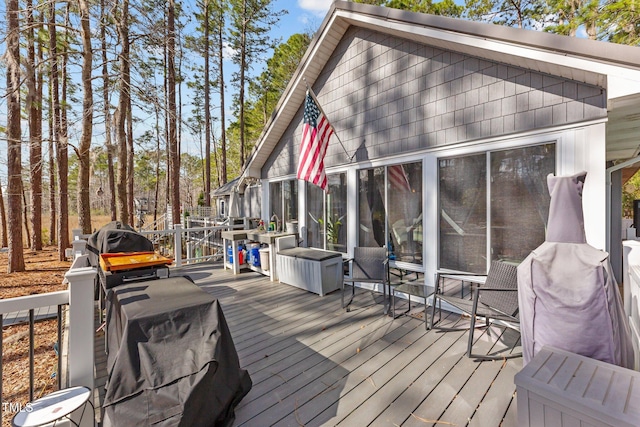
{"type": "Point", "coordinates": [332, 230]}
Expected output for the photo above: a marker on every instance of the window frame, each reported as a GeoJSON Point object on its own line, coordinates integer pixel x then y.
{"type": "Point", "coordinates": [488, 152]}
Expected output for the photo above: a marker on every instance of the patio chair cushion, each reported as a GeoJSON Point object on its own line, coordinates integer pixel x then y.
{"type": "Point", "coordinates": [311, 254]}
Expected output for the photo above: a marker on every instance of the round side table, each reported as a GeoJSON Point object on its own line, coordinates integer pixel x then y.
{"type": "Point", "coordinates": [54, 407]}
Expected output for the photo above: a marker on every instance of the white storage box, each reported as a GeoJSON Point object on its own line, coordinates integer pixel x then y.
{"type": "Point", "coordinates": [559, 388]}
{"type": "Point", "coordinates": [314, 270]}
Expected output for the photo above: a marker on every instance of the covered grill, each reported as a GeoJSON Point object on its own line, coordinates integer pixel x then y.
{"type": "Point", "coordinates": [122, 255]}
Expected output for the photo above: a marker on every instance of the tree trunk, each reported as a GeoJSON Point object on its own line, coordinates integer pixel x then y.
{"type": "Point", "coordinates": [174, 155]}
{"type": "Point", "coordinates": [157, 186]}
{"type": "Point", "coordinates": [121, 113]}
{"type": "Point", "coordinates": [25, 214]}
{"type": "Point", "coordinates": [130, 173]}
{"type": "Point", "coordinates": [14, 160]}
{"type": "Point", "coordinates": [63, 159]}
{"type": "Point", "coordinates": [3, 221]}
{"type": "Point", "coordinates": [178, 83]}
{"type": "Point", "coordinates": [167, 147]}
{"type": "Point", "coordinates": [243, 66]}
{"type": "Point", "coordinates": [84, 207]}
{"type": "Point", "coordinates": [207, 108]}
{"type": "Point", "coordinates": [222, 179]}
{"type": "Point", "coordinates": [107, 113]}
{"type": "Point", "coordinates": [34, 106]}
{"type": "Point", "coordinates": [52, 170]}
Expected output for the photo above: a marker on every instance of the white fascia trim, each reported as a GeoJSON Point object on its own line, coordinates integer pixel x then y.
{"type": "Point", "coordinates": [590, 65]}
{"type": "Point", "coordinates": [493, 143]}
{"type": "Point", "coordinates": [298, 80]}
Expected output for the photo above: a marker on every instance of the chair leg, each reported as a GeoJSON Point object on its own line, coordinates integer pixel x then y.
{"type": "Point", "coordinates": [353, 294]}
{"type": "Point", "coordinates": [393, 305]}
{"type": "Point", "coordinates": [426, 321]}
{"type": "Point", "coordinates": [471, 330]}
{"type": "Point", "coordinates": [473, 323]}
{"type": "Point", "coordinates": [433, 312]}
{"type": "Point", "coordinates": [433, 307]}
{"type": "Point", "coordinates": [386, 302]}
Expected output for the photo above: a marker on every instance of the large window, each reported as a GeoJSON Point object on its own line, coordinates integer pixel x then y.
{"type": "Point", "coordinates": [505, 220]}
{"type": "Point", "coordinates": [390, 209]}
{"type": "Point", "coordinates": [283, 201]}
{"type": "Point", "coordinates": [372, 216]}
{"type": "Point", "coordinates": [327, 214]}
{"type": "Point", "coordinates": [463, 213]}
{"type": "Point", "coordinates": [520, 200]}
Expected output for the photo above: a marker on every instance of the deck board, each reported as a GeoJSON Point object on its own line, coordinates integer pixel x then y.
{"type": "Point", "coordinates": [313, 364]}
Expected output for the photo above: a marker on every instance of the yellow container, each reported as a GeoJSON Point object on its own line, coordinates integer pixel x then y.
{"type": "Point", "coordinates": [130, 260]}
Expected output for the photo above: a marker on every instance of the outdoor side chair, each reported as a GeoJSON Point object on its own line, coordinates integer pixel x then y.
{"type": "Point", "coordinates": [496, 299]}
{"type": "Point", "coordinates": [368, 265]}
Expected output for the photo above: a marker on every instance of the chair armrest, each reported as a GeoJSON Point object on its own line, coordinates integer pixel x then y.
{"type": "Point", "coordinates": [484, 288]}
{"type": "Point", "coordinates": [457, 272]}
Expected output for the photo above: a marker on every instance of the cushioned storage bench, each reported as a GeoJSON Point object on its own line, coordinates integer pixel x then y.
{"type": "Point", "coordinates": [314, 270]}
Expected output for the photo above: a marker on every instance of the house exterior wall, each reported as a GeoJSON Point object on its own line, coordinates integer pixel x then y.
{"type": "Point", "coordinates": [388, 96]}
{"type": "Point", "coordinates": [251, 201]}
{"type": "Point", "coordinates": [393, 100]}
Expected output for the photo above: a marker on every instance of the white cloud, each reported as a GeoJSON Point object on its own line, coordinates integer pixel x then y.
{"type": "Point", "coordinates": [318, 7]}
{"type": "Point", "coordinates": [303, 19]}
{"type": "Point", "coordinates": [227, 51]}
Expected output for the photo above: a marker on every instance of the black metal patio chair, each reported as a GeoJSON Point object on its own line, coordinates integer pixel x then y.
{"type": "Point", "coordinates": [497, 299]}
{"type": "Point", "coordinates": [368, 265]}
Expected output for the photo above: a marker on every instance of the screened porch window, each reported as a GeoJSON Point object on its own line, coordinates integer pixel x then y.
{"type": "Point", "coordinates": [390, 210]}
{"type": "Point", "coordinates": [283, 201]}
{"type": "Point", "coordinates": [327, 214]}
{"type": "Point", "coordinates": [505, 220]}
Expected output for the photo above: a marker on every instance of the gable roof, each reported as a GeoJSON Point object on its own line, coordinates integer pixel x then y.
{"type": "Point", "coordinates": [613, 66]}
{"type": "Point", "coordinates": [225, 189]}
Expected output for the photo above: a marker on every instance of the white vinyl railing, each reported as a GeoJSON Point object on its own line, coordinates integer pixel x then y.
{"type": "Point", "coordinates": [185, 245]}
{"type": "Point", "coordinates": [78, 339]}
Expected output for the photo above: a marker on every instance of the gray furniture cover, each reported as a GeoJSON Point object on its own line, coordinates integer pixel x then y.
{"type": "Point", "coordinates": [567, 294]}
{"type": "Point", "coordinates": [171, 361]}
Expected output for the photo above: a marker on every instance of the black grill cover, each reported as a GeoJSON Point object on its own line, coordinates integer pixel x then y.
{"type": "Point", "coordinates": [172, 361]}
{"type": "Point", "coordinates": [115, 237]}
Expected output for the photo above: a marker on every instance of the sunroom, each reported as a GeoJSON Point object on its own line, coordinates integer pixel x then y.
{"type": "Point", "coordinates": [445, 131]}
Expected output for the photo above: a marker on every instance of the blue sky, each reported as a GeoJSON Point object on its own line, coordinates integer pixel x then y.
{"type": "Point", "coordinates": [303, 16]}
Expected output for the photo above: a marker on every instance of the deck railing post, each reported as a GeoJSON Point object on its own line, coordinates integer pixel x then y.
{"type": "Point", "coordinates": [79, 247]}
{"type": "Point", "coordinates": [177, 245]}
{"type": "Point", "coordinates": [189, 245]}
{"type": "Point", "coordinates": [81, 330]}
{"type": "Point", "coordinates": [76, 234]}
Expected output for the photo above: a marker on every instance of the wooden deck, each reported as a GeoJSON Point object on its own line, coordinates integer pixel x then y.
{"type": "Point", "coordinates": [313, 364]}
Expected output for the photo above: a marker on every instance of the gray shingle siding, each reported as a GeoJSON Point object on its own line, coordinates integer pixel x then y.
{"type": "Point", "coordinates": [386, 96]}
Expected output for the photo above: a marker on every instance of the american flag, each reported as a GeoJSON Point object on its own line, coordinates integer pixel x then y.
{"type": "Point", "coordinates": [398, 179]}
{"type": "Point", "coordinates": [316, 132]}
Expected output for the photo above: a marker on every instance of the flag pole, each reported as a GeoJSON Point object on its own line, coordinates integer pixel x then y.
{"type": "Point", "coordinates": [313, 95]}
